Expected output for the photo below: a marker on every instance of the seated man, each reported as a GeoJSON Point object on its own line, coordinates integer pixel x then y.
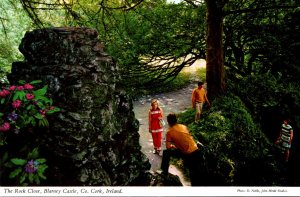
{"type": "Point", "coordinates": [180, 143]}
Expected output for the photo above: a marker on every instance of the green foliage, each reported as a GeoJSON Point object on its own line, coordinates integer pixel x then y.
{"type": "Point", "coordinates": [291, 92]}
{"type": "Point", "coordinates": [28, 171]}
{"type": "Point", "coordinates": [259, 42]}
{"type": "Point", "coordinates": [136, 37]}
{"type": "Point", "coordinates": [266, 90]}
{"type": "Point", "coordinates": [156, 32]}
{"type": "Point", "coordinates": [180, 81]}
{"type": "Point", "coordinates": [187, 117]}
{"type": "Point", "coordinates": [23, 108]}
{"type": "Point", "coordinates": [201, 74]}
{"type": "Point", "coordinates": [259, 90]}
{"type": "Point", "coordinates": [231, 139]}
{"type": "Point", "coordinates": [14, 22]}
{"type": "Point", "coordinates": [271, 99]}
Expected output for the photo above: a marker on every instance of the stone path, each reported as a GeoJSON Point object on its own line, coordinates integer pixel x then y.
{"type": "Point", "coordinates": [177, 101]}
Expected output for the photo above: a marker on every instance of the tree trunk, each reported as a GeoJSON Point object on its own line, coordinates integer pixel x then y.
{"type": "Point", "coordinates": [214, 57]}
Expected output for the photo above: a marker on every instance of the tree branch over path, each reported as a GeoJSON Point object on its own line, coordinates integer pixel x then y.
{"type": "Point", "coordinates": [128, 6]}
{"type": "Point", "coordinates": [153, 37]}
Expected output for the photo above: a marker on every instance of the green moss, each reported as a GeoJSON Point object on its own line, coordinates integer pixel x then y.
{"type": "Point", "coordinates": [231, 138]}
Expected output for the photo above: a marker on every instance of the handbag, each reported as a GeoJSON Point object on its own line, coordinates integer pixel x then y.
{"type": "Point", "coordinates": [162, 122]}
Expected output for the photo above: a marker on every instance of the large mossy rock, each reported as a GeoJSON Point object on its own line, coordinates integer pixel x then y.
{"type": "Point", "coordinates": [94, 140]}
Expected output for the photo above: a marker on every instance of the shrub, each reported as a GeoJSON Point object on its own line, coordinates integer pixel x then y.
{"type": "Point", "coordinates": [27, 171]}
{"type": "Point", "coordinates": [234, 145]}
{"type": "Point", "coordinates": [23, 108]}
{"type": "Point", "coordinates": [259, 91]}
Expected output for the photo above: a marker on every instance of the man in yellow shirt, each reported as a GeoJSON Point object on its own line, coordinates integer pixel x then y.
{"type": "Point", "coordinates": [180, 144]}
{"type": "Point", "coordinates": [198, 99]}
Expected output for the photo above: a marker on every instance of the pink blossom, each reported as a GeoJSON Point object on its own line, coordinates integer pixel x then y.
{"type": "Point", "coordinates": [29, 96]}
{"type": "Point", "coordinates": [20, 88]}
{"type": "Point", "coordinates": [13, 87]}
{"type": "Point", "coordinates": [43, 113]}
{"type": "Point", "coordinates": [28, 86]}
{"type": "Point", "coordinates": [16, 104]}
{"type": "Point", "coordinates": [5, 127]}
{"type": "Point", "coordinates": [4, 93]}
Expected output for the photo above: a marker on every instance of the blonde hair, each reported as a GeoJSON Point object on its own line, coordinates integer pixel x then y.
{"type": "Point", "coordinates": [154, 101]}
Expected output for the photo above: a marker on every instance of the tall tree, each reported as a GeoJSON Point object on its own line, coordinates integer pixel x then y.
{"type": "Point", "coordinates": [217, 10]}
{"type": "Point", "coordinates": [214, 55]}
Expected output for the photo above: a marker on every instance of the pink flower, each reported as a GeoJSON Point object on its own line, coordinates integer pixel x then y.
{"type": "Point", "coordinates": [5, 127]}
{"type": "Point", "coordinates": [28, 86]}
{"type": "Point", "coordinates": [13, 87]}
{"type": "Point", "coordinates": [16, 104]}
{"type": "Point", "coordinates": [43, 113]}
{"type": "Point", "coordinates": [4, 93]}
{"type": "Point", "coordinates": [29, 96]}
{"type": "Point", "coordinates": [20, 88]}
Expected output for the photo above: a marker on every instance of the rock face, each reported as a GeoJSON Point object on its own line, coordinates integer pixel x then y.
{"type": "Point", "coordinates": [94, 140]}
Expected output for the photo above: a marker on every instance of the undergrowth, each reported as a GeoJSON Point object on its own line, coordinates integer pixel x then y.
{"type": "Point", "coordinates": [236, 151]}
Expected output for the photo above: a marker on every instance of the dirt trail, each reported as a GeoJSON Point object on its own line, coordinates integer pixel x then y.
{"type": "Point", "coordinates": [176, 101]}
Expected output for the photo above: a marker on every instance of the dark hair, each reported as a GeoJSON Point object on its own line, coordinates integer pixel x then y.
{"type": "Point", "coordinates": [200, 83]}
{"type": "Point", "coordinates": [172, 119]}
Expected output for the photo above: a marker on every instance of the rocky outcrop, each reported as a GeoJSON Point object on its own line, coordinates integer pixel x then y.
{"type": "Point", "coordinates": [94, 140]}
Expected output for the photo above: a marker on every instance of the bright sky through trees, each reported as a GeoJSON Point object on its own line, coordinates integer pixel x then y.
{"type": "Point", "coordinates": [175, 1]}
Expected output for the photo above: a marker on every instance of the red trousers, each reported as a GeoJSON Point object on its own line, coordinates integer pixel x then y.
{"type": "Point", "coordinates": [157, 137]}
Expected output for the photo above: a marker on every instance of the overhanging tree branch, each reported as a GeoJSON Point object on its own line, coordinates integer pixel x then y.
{"type": "Point", "coordinates": [258, 9]}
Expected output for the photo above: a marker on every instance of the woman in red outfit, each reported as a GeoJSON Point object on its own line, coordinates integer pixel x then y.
{"type": "Point", "coordinates": [155, 126]}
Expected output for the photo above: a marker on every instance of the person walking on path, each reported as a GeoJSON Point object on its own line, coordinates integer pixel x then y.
{"type": "Point", "coordinates": [285, 138]}
{"type": "Point", "coordinates": [199, 97]}
{"type": "Point", "coordinates": [180, 144]}
{"type": "Point", "coordinates": [156, 125]}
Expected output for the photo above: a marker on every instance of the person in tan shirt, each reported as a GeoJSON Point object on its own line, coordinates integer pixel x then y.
{"type": "Point", "coordinates": [199, 97]}
{"type": "Point", "coordinates": [180, 144]}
